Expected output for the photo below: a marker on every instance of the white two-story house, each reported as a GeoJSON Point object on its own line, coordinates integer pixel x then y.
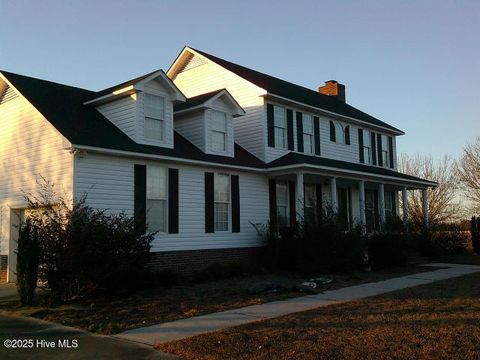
{"type": "Point", "coordinates": [198, 154]}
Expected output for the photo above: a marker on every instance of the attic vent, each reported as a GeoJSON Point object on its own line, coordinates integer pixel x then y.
{"type": "Point", "coordinates": [193, 61]}
{"type": "Point", "coordinates": [7, 94]}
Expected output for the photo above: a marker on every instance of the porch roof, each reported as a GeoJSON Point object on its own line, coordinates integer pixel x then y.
{"type": "Point", "coordinates": [296, 160]}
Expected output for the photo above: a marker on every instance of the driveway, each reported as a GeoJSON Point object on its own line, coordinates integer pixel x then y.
{"type": "Point", "coordinates": [43, 334]}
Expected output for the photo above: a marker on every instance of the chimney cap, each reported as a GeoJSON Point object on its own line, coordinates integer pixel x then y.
{"type": "Point", "coordinates": [333, 88]}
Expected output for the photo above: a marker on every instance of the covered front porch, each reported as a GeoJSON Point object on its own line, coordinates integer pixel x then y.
{"type": "Point", "coordinates": [368, 200]}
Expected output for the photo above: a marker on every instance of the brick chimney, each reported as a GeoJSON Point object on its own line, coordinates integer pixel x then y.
{"type": "Point", "coordinates": [333, 88]}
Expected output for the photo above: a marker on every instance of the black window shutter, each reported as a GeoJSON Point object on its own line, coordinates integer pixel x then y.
{"type": "Point", "coordinates": [235, 188]}
{"type": "Point", "coordinates": [272, 193]}
{"type": "Point", "coordinates": [319, 200]}
{"type": "Point", "coordinates": [300, 132]}
{"type": "Point", "coordinates": [379, 149]}
{"type": "Point", "coordinates": [347, 135]}
{"type": "Point", "coordinates": [209, 204]}
{"type": "Point", "coordinates": [270, 126]}
{"type": "Point", "coordinates": [394, 205]}
{"type": "Point", "coordinates": [173, 201]}
{"type": "Point", "coordinates": [332, 131]}
{"type": "Point", "coordinates": [140, 199]}
{"type": "Point", "coordinates": [360, 146]}
{"type": "Point", "coordinates": [373, 140]}
{"type": "Point", "coordinates": [292, 203]}
{"type": "Point", "coordinates": [290, 129]}
{"type": "Point", "coordinates": [316, 135]}
{"type": "Point", "coordinates": [377, 210]}
{"type": "Point", "coordinates": [390, 150]}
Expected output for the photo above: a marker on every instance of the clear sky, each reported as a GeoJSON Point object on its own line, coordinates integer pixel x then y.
{"type": "Point", "coordinates": [414, 64]}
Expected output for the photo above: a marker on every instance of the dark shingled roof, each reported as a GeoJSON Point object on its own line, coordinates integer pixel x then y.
{"type": "Point", "coordinates": [295, 158]}
{"type": "Point", "coordinates": [196, 100]}
{"type": "Point", "coordinates": [62, 106]}
{"type": "Point", "coordinates": [297, 93]}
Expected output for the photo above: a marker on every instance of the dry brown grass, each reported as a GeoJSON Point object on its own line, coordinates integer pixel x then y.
{"type": "Point", "coordinates": [437, 321]}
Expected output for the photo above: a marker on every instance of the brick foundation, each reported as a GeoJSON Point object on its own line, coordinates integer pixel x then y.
{"type": "Point", "coordinates": [193, 260]}
{"type": "Point", "coordinates": [3, 268]}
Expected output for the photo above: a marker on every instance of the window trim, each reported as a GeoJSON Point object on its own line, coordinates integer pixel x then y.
{"type": "Point", "coordinates": [229, 203]}
{"type": "Point", "coordinates": [367, 159]}
{"type": "Point", "coordinates": [163, 122]}
{"type": "Point", "coordinates": [165, 231]}
{"type": "Point", "coordinates": [213, 131]}
{"type": "Point", "coordinates": [385, 151]}
{"type": "Point", "coordinates": [286, 205]}
{"type": "Point", "coordinates": [311, 135]}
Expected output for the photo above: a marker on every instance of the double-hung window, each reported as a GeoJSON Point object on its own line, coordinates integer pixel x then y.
{"type": "Point", "coordinates": [157, 198]}
{"type": "Point", "coordinates": [154, 108]}
{"type": "Point", "coordinates": [280, 127]}
{"type": "Point", "coordinates": [219, 131]}
{"type": "Point", "coordinates": [308, 145]}
{"type": "Point", "coordinates": [385, 158]}
{"type": "Point", "coordinates": [388, 205]}
{"type": "Point", "coordinates": [222, 201]}
{"type": "Point", "coordinates": [367, 147]}
{"type": "Point", "coordinates": [310, 202]}
{"type": "Point", "coordinates": [339, 133]}
{"type": "Point", "coordinates": [282, 204]}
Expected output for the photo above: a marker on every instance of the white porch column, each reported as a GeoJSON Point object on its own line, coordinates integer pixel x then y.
{"type": "Point", "coordinates": [361, 195]}
{"type": "Point", "coordinates": [333, 194]}
{"type": "Point", "coordinates": [405, 204]}
{"type": "Point", "coordinates": [300, 196]}
{"type": "Point", "coordinates": [381, 203]}
{"type": "Point", "coordinates": [425, 205]}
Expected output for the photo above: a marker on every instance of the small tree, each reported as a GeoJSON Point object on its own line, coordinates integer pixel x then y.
{"type": "Point", "coordinates": [442, 203]}
{"type": "Point", "coordinates": [28, 255]}
{"type": "Point", "coordinates": [468, 171]}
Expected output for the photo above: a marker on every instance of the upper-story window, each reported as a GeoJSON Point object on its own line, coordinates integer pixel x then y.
{"type": "Point", "coordinates": [219, 131]}
{"type": "Point", "coordinates": [367, 147]}
{"type": "Point", "coordinates": [154, 108]}
{"type": "Point", "coordinates": [339, 133]}
{"type": "Point", "coordinates": [308, 143]}
{"type": "Point", "coordinates": [222, 201]}
{"type": "Point", "coordinates": [156, 198]}
{"type": "Point", "coordinates": [280, 126]}
{"type": "Point", "coordinates": [385, 155]}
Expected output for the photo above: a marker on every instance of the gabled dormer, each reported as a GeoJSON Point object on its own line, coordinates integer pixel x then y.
{"type": "Point", "coordinates": [142, 108]}
{"type": "Point", "coordinates": [207, 121]}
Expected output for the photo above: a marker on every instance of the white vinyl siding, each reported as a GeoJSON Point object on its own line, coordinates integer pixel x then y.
{"type": "Point", "coordinates": [123, 114]}
{"type": "Point", "coordinates": [109, 183]}
{"type": "Point", "coordinates": [280, 127]}
{"type": "Point", "coordinates": [221, 201]}
{"type": "Point", "coordinates": [308, 142]}
{"type": "Point", "coordinates": [154, 112]}
{"type": "Point", "coordinates": [157, 198]}
{"type": "Point", "coordinates": [192, 127]}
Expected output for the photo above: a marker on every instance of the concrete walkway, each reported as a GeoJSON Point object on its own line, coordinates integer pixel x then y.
{"type": "Point", "coordinates": [213, 322]}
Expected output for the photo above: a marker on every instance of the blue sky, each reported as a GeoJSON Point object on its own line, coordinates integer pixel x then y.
{"type": "Point", "coordinates": [414, 64]}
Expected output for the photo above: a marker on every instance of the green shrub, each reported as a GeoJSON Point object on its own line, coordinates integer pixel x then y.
{"type": "Point", "coordinates": [85, 251]}
{"type": "Point", "coordinates": [437, 243]}
{"type": "Point", "coordinates": [28, 256]}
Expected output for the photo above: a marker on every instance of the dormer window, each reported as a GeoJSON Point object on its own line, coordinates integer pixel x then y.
{"type": "Point", "coordinates": [280, 126]}
{"type": "Point", "coordinates": [154, 108]}
{"type": "Point", "coordinates": [219, 131]}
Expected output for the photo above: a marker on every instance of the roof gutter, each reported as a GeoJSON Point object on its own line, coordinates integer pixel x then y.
{"type": "Point", "coordinates": [329, 113]}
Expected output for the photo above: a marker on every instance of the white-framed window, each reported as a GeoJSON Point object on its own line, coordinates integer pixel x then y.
{"type": "Point", "coordinates": [222, 201]}
{"type": "Point", "coordinates": [310, 194]}
{"type": "Point", "coordinates": [282, 204]}
{"type": "Point", "coordinates": [385, 155]}
{"type": "Point", "coordinates": [389, 205]}
{"type": "Point", "coordinates": [280, 127]}
{"type": "Point", "coordinates": [219, 131]}
{"type": "Point", "coordinates": [154, 109]}
{"type": "Point", "coordinates": [367, 147]}
{"type": "Point", "coordinates": [339, 133]}
{"type": "Point", "coordinates": [156, 198]}
{"type": "Point", "coordinates": [308, 142]}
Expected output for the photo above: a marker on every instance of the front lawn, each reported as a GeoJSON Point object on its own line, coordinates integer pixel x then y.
{"type": "Point", "coordinates": [108, 316]}
{"type": "Point", "coordinates": [436, 321]}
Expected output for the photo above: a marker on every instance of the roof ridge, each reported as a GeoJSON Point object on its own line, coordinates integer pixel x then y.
{"type": "Point", "coordinates": [44, 80]}
{"type": "Point", "coordinates": [134, 79]}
